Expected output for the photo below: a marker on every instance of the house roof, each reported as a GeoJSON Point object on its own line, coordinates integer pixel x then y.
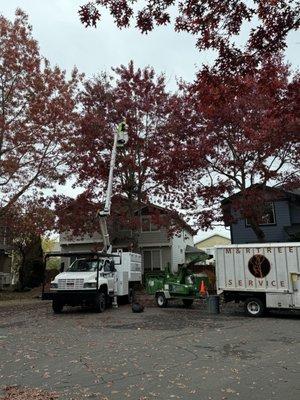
{"type": "Point", "coordinates": [294, 191]}
{"type": "Point", "coordinates": [193, 250]}
{"type": "Point", "coordinates": [281, 194]}
{"type": "Point", "coordinates": [211, 236]}
{"type": "Point", "coordinates": [174, 214]}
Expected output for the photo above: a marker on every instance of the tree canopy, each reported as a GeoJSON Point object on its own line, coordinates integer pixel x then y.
{"type": "Point", "coordinates": [37, 116]}
{"type": "Point", "coordinates": [215, 24]}
{"type": "Point", "coordinates": [139, 96]}
{"type": "Point", "coordinates": [231, 130]}
{"type": "Point", "coordinates": [234, 133]}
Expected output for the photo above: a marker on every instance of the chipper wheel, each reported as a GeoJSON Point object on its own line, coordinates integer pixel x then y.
{"type": "Point", "coordinates": [161, 300]}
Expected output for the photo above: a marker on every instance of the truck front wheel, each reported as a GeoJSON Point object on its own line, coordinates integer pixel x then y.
{"type": "Point", "coordinates": [57, 306]}
{"type": "Point", "coordinates": [161, 300]}
{"type": "Point", "coordinates": [255, 307]}
{"type": "Point", "coordinates": [100, 302]}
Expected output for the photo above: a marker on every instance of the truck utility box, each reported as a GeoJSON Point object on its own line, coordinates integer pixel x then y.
{"type": "Point", "coordinates": [269, 273]}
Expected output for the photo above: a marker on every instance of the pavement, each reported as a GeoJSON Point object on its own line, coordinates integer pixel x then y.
{"type": "Point", "coordinates": [172, 353]}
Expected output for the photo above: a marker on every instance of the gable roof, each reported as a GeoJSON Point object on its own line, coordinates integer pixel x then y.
{"type": "Point", "coordinates": [163, 210]}
{"type": "Point", "coordinates": [174, 215]}
{"type": "Point", "coordinates": [278, 192]}
{"type": "Point", "coordinates": [211, 236]}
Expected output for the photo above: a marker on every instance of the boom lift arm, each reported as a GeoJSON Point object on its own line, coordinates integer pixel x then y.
{"type": "Point", "coordinates": [120, 139]}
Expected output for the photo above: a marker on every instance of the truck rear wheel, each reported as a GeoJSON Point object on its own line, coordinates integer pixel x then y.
{"type": "Point", "coordinates": [100, 302]}
{"type": "Point", "coordinates": [255, 307]}
{"type": "Point", "coordinates": [57, 306]}
{"type": "Point", "coordinates": [187, 302]}
{"type": "Point", "coordinates": [161, 300]}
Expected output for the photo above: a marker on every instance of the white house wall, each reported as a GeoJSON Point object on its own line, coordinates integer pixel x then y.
{"type": "Point", "coordinates": [179, 244]}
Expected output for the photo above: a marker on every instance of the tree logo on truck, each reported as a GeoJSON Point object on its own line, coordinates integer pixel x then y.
{"type": "Point", "coordinates": [259, 266]}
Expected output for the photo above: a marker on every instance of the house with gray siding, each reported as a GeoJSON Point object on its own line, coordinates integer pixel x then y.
{"type": "Point", "coordinates": [153, 241]}
{"type": "Point", "coordinates": [280, 223]}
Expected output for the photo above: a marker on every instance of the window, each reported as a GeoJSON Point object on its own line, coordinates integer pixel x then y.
{"type": "Point", "coordinates": [83, 266]}
{"type": "Point", "coordinates": [147, 225]}
{"type": "Point", "coordinates": [268, 215]}
{"type": "Point", "coordinates": [152, 260]}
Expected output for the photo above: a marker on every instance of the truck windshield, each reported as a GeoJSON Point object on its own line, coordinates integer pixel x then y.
{"type": "Point", "coordinates": [85, 266]}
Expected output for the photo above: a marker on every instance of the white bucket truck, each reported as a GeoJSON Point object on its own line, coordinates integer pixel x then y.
{"type": "Point", "coordinates": [95, 279]}
{"type": "Point", "coordinates": [98, 278]}
{"type": "Point", "coordinates": [263, 276]}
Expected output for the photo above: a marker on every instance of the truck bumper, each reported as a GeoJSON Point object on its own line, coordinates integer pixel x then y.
{"type": "Point", "coordinates": [47, 296]}
{"type": "Point", "coordinates": [71, 297]}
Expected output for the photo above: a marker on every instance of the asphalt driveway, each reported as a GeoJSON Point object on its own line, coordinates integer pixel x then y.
{"type": "Point", "coordinates": [169, 353]}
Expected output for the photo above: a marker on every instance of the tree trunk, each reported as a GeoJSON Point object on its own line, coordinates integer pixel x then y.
{"type": "Point", "coordinates": [258, 232]}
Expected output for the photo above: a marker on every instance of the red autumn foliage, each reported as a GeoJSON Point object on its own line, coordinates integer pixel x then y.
{"type": "Point", "coordinates": [29, 219]}
{"type": "Point", "coordinates": [141, 97]}
{"type": "Point", "coordinates": [78, 218]}
{"type": "Point", "coordinates": [230, 134]}
{"type": "Point", "coordinates": [37, 116]}
{"type": "Point", "coordinates": [214, 23]}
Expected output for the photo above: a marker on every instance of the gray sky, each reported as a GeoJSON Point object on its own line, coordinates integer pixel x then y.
{"type": "Point", "coordinates": [66, 42]}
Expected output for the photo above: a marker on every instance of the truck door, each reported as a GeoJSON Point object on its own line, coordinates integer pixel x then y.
{"type": "Point", "coordinates": [296, 289]}
{"type": "Point", "coordinates": [110, 274]}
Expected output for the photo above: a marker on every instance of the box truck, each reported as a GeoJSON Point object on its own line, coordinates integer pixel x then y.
{"type": "Point", "coordinates": [263, 276]}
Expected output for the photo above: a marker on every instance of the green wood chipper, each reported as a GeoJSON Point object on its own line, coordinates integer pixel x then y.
{"type": "Point", "coordinates": [184, 285]}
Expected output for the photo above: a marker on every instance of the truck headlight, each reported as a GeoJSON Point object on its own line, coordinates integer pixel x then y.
{"type": "Point", "coordinates": [53, 285]}
{"type": "Point", "coordinates": [90, 285]}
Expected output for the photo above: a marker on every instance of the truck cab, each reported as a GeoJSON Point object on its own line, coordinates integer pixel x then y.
{"type": "Point", "coordinates": [95, 281]}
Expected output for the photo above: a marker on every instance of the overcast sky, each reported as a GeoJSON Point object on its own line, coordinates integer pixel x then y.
{"type": "Point", "coordinates": [66, 42]}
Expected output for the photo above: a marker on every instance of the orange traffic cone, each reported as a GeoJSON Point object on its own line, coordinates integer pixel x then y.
{"type": "Point", "coordinates": [203, 290]}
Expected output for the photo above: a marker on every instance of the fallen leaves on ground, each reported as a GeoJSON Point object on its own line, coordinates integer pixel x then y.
{"type": "Point", "coordinates": [18, 393]}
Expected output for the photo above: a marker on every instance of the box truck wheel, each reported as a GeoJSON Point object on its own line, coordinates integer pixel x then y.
{"type": "Point", "coordinates": [255, 307]}
{"type": "Point", "coordinates": [57, 306]}
{"type": "Point", "coordinates": [161, 300]}
{"type": "Point", "coordinates": [100, 302]}
{"type": "Point", "coordinates": [187, 302]}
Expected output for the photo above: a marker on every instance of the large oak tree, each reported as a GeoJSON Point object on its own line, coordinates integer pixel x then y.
{"type": "Point", "coordinates": [37, 116]}
{"type": "Point", "coordinates": [234, 134]}
{"type": "Point", "coordinates": [140, 97]}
